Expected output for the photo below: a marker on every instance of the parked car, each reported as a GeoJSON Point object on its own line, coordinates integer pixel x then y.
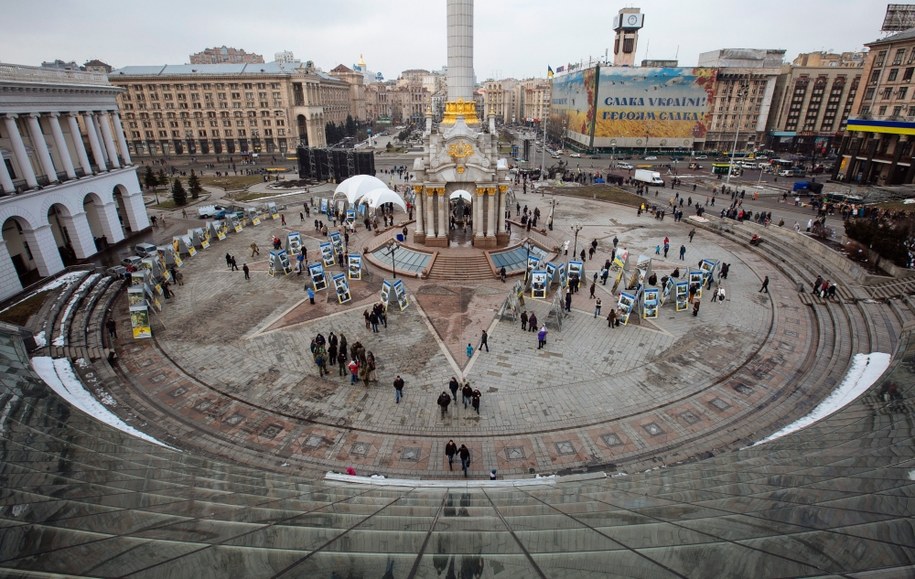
{"type": "Point", "coordinates": [702, 157]}
{"type": "Point", "coordinates": [624, 165]}
{"type": "Point", "coordinates": [651, 158]}
{"type": "Point", "coordinates": [575, 155]}
{"type": "Point", "coordinates": [145, 249]}
{"type": "Point", "coordinates": [132, 262]}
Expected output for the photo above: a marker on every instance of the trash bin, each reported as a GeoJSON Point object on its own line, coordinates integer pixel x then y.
{"type": "Point", "coordinates": [400, 237]}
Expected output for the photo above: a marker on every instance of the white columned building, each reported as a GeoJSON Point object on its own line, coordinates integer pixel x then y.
{"type": "Point", "coordinates": [57, 207]}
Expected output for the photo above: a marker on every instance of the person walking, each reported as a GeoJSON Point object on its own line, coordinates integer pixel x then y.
{"type": "Point", "coordinates": [464, 454]}
{"type": "Point", "coordinates": [443, 401]}
{"type": "Point", "coordinates": [112, 328]}
{"type": "Point", "coordinates": [532, 322]}
{"type": "Point", "coordinates": [311, 295]}
{"type": "Point", "coordinates": [593, 287]}
{"type": "Point", "coordinates": [475, 399]}
{"type": "Point", "coordinates": [569, 300]}
{"type": "Point", "coordinates": [682, 252]}
{"type": "Point", "coordinates": [524, 321]}
{"type": "Point", "coordinates": [453, 385]}
{"type": "Point", "coordinates": [321, 361]}
{"type": "Point", "coordinates": [246, 270]}
{"type": "Point", "coordinates": [484, 341]}
{"type": "Point", "coordinates": [541, 338]}
{"type": "Point", "coordinates": [466, 394]}
{"type": "Point", "coordinates": [692, 232]}
{"type": "Point", "coordinates": [234, 264]}
{"type": "Point", "coordinates": [179, 277]}
{"type": "Point", "coordinates": [341, 362]}
{"type": "Point", "coordinates": [398, 389]}
{"type": "Point", "coordinates": [229, 261]}
{"type": "Point", "coordinates": [611, 318]}
{"type": "Point", "coordinates": [469, 350]}
{"type": "Point", "coordinates": [597, 308]}
{"type": "Point", "coordinates": [696, 303]}
{"type": "Point", "coordinates": [451, 449]}
{"type": "Point", "coordinates": [255, 250]}
{"type": "Point", "coordinates": [765, 285]}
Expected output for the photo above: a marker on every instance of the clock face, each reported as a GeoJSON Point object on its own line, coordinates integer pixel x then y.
{"type": "Point", "coordinates": [632, 20]}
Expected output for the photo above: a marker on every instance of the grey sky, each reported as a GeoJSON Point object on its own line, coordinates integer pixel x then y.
{"type": "Point", "coordinates": [516, 38]}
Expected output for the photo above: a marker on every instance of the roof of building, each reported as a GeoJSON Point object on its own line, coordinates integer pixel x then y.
{"type": "Point", "coordinates": [341, 68]}
{"type": "Point", "coordinates": [210, 69]}
{"type": "Point", "coordinates": [898, 37]}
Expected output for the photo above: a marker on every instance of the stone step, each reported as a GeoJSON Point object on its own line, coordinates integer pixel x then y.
{"type": "Point", "coordinates": [461, 267]}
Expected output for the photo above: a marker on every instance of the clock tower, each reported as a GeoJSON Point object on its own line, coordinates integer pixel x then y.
{"type": "Point", "coordinates": [626, 24]}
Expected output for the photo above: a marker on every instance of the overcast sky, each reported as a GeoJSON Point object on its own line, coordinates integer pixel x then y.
{"type": "Point", "coordinates": [512, 38]}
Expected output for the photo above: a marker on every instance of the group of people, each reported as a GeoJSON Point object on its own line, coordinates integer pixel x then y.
{"type": "Point", "coordinates": [824, 288]}
{"type": "Point", "coordinates": [355, 360]}
{"type": "Point", "coordinates": [470, 396]}
{"type": "Point", "coordinates": [462, 452]}
{"type": "Point", "coordinates": [378, 315]}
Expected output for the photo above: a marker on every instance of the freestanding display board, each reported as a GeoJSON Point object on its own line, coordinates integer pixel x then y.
{"type": "Point", "coordinates": [279, 263]}
{"type": "Point", "coordinates": [696, 278]}
{"type": "Point", "coordinates": [318, 278]}
{"type": "Point", "coordinates": [552, 274]}
{"type": "Point", "coordinates": [538, 284]}
{"type": "Point", "coordinates": [681, 294]}
{"type": "Point", "coordinates": [618, 268]}
{"type": "Point", "coordinates": [294, 242]}
{"type": "Point", "coordinates": [625, 304]}
{"type": "Point", "coordinates": [327, 254]}
{"type": "Point", "coordinates": [400, 290]}
{"type": "Point", "coordinates": [386, 289]}
{"type": "Point", "coordinates": [577, 269]}
{"type": "Point", "coordinates": [354, 267]}
{"type": "Point", "coordinates": [650, 302]}
{"type": "Point", "coordinates": [341, 287]}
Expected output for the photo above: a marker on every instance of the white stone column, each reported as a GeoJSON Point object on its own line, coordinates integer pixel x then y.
{"type": "Point", "coordinates": [420, 210]}
{"type": "Point", "coordinates": [19, 154]}
{"type": "Point", "coordinates": [430, 217]}
{"type": "Point", "coordinates": [443, 218]}
{"type": "Point", "coordinates": [491, 205]}
{"type": "Point", "coordinates": [80, 234]}
{"type": "Point", "coordinates": [122, 141]}
{"type": "Point", "coordinates": [6, 182]}
{"type": "Point", "coordinates": [460, 50]}
{"type": "Point", "coordinates": [77, 138]}
{"type": "Point", "coordinates": [44, 250]}
{"type": "Point", "coordinates": [94, 142]}
{"type": "Point", "coordinates": [61, 143]}
{"type": "Point", "coordinates": [103, 120]}
{"type": "Point", "coordinates": [9, 279]}
{"type": "Point", "coordinates": [478, 200]}
{"type": "Point", "coordinates": [111, 225]}
{"type": "Point", "coordinates": [101, 140]}
{"type": "Point", "coordinates": [41, 148]}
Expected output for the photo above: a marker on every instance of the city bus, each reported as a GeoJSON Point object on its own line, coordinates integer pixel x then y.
{"type": "Point", "coordinates": [780, 164]}
{"type": "Point", "coordinates": [722, 169]}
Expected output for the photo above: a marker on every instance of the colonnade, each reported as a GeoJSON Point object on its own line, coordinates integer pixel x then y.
{"type": "Point", "coordinates": [69, 158]}
{"type": "Point", "coordinates": [433, 213]}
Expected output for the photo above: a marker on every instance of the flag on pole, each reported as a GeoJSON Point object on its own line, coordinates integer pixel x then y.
{"type": "Point", "coordinates": [549, 71]}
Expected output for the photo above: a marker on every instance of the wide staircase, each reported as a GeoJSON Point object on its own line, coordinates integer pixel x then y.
{"type": "Point", "coordinates": [464, 266]}
{"type": "Point", "coordinates": [72, 325]}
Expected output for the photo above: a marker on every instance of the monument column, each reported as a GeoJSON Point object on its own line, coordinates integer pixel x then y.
{"type": "Point", "coordinates": [430, 217]}
{"type": "Point", "coordinates": [77, 137]}
{"type": "Point", "coordinates": [94, 142]}
{"type": "Point", "coordinates": [419, 232]}
{"type": "Point", "coordinates": [41, 148]}
{"type": "Point", "coordinates": [61, 143]}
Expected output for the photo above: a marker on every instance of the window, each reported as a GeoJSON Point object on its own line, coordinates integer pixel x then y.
{"type": "Point", "coordinates": [907, 73]}
{"type": "Point", "coordinates": [882, 110]}
{"type": "Point", "coordinates": [901, 92]}
{"type": "Point", "coordinates": [897, 110]}
{"type": "Point", "coordinates": [897, 58]}
{"type": "Point", "coordinates": [881, 58]}
{"type": "Point", "coordinates": [875, 76]}
{"type": "Point", "coordinates": [869, 93]}
{"type": "Point", "coordinates": [892, 75]}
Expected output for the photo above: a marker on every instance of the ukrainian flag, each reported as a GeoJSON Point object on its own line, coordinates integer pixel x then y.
{"type": "Point", "coordinates": [549, 71]}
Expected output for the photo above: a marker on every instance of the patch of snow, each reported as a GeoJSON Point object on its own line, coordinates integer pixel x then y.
{"type": "Point", "coordinates": [65, 279]}
{"type": "Point", "coordinates": [912, 475]}
{"type": "Point", "coordinates": [82, 362]}
{"type": "Point", "coordinates": [59, 375]}
{"type": "Point", "coordinates": [105, 398]}
{"type": "Point", "coordinates": [907, 201]}
{"type": "Point", "coordinates": [40, 339]}
{"type": "Point", "coordinates": [865, 370]}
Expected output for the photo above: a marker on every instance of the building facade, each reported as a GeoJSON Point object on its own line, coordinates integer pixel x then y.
{"type": "Point", "coordinates": [745, 88]}
{"type": "Point", "coordinates": [69, 187]}
{"type": "Point", "coordinates": [228, 109]}
{"type": "Point", "coordinates": [226, 55]}
{"type": "Point", "coordinates": [813, 100]}
{"type": "Point", "coordinates": [878, 142]}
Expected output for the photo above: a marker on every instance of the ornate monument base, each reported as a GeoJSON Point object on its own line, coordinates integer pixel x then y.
{"type": "Point", "coordinates": [436, 242]}
{"type": "Point", "coordinates": [419, 237]}
{"type": "Point", "coordinates": [502, 239]}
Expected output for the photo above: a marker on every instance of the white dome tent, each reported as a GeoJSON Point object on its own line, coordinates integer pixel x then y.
{"type": "Point", "coordinates": [378, 197]}
{"type": "Point", "coordinates": [357, 186]}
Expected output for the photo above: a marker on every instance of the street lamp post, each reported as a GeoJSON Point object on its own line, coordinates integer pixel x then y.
{"type": "Point", "coordinates": [741, 94]}
{"type": "Point", "coordinates": [613, 154]}
{"type": "Point", "coordinates": [527, 259]}
{"type": "Point", "coordinates": [576, 229]}
{"type": "Point", "coordinates": [391, 249]}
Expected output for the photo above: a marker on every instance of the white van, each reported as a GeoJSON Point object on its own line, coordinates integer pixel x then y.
{"type": "Point", "coordinates": [145, 249]}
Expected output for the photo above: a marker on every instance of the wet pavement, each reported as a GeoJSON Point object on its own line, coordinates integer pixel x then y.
{"type": "Point", "coordinates": [232, 358]}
